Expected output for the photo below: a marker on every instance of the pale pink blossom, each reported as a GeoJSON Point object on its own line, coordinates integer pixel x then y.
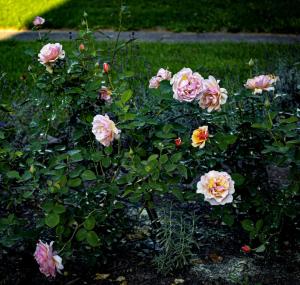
{"type": "Point", "coordinates": [105, 130]}
{"type": "Point", "coordinates": [164, 74]}
{"type": "Point", "coordinates": [261, 83]}
{"type": "Point", "coordinates": [154, 82]}
{"type": "Point", "coordinates": [51, 53]}
{"type": "Point", "coordinates": [213, 96]}
{"type": "Point", "coordinates": [47, 259]}
{"type": "Point", "coordinates": [187, 86]}
{"type": "Point", "coordinates": [217, 187]}
{"type": "Point", "coordinates": [38, 21]}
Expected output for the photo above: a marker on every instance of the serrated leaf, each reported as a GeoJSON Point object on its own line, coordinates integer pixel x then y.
{"type": "Point", "coordinates": [89, 223]}
{"type": "Point", "coordinates": [74, 182]}
{"type": "Point", "coordinates": [92, 238]}
{"type": "Point", "coordinates": [248, 225]}
{"type": "Point", "coordinates": [81, 234]}
{"type": "Point", "coordinates": [58, 209]}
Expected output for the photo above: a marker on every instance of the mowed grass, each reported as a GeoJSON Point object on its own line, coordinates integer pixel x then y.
{"type": "Point", "coordinates": [282, 16]}
{"type": "Point", "coordinates": [223, 59]}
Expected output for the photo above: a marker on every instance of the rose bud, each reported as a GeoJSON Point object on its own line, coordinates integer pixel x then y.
{"type": "Point", "coordinates": [81, 47]}
{"type": "Point", "coordinates": [246, 248]}
{"type": "Point", "coordinates": [106, 67]}
{"type": "Point", "coordinates": [178, 142]}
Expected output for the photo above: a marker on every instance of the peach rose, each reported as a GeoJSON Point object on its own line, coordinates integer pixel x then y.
{"type": "Point", "coordinates": [200, 136]}
{"type": "Point", "coordinates": [51, 53]}
{"type": "Point", "coordinates": [261, 83]}
{"type": "Point", "coordinates": [38, 21]}
{"type": "Point", "coordinates": [217, 187]}
{"type": "Point", "coordinates": [105, 130]}
{"type": "Point", "coordinates": [187, 86]}
{"type": "Point", "coordinates": [213, 96]}
{"type": "Point", "coordinates": [47, 259]}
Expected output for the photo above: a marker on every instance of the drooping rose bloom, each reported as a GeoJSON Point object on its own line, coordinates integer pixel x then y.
{"type": "Point", "coordinates": [105, 130]}
{"type": "Point", "coordinates": [261, 83]}
{"type": "Point", "coordinates": [51, 53]}
{"type": "Point", "coordinates": [154, 82]}
{"type": "Point", "coordinates": [213, 96]}
{"type": "Point", "coordinates": [38, 21]}
{"type": "Point", "coordinates": [164, 74]}
{"type": "Point", "coordinates": [217, 187]}
{"type": "Point", "coordinates": [187, 86]}
{"type": "Point", "coordinates": [47, 259]}
{"type": "Point", "coordinates": [105, 94]}
{"type": "Point", "coordinates": [199, 137]}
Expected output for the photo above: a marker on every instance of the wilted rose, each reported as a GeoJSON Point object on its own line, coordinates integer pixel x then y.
{"type": "Point", "coordinates": [213, 96]}
{"type": "Point", "coordinates": [200, 136]}
{"type": "Point", "coordinates": [154, 82]}
{"type": "Point", "coordinates": [164, 74]}
{"type": "Point", "coordinates": [217, 187]}
{"type": "Point", "coordinates": [105, 130]}
{"type": "Point", "coordinates": [261, 83]}
{"type": "Point", "coordinates": [187, 86]}
{"type": "Point", "coordinates": [105, 94]}
{"type": "Point", "coordinates": [47, 259]}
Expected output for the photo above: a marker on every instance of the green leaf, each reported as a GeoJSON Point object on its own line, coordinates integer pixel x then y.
{"type": "Point", "coordinates": [58, 209]}
{"type": "Point", "coordinates": [13, 174]}
{"type": "Point", "coordinates": [92, 238]}
{"type": "Point", "coordinates": [2, 136]}
{"type": "Point", "coordinates": [126, 96]}
{"type": "Point", "coordinates": [52, 220]}
{"type": "Point", "coordinates": [97, 156]}
{"type": "Point", "coordinates": [228, 219]}
{"type": "Point", "coordinates": [261, 248]}
{"type": "Point", "coordinates": [89, 223]}
{"type": "Point", "coordinates": [106, 161]}
{"type": "Point", "coordinates": [88, 175]}
{"type": "Point", "coordinates": [178, 194]}
{"type": "Point", "coordinates": [182, 170]}
{"type": "Point", "coordinates": [238, 179]}
{"type": "Point", "coordinates": [48, 206]}
{"type": "Point", "coordinates": [74, 182]}
{"type": "Point", "coordinates": [153, 157]}
{"type": "Point", "coordinates": [176, 157]}
{"type": "Point", "coordinates": [170, 167]}
{"type": "Point", "coordinates": [81, 234]}
{"type": "Point", "coordinates": [259, 225]}
{"type": "Point", "coordinates": [248, 225]}
{"type": "Point", "coordinates": [163, 159]}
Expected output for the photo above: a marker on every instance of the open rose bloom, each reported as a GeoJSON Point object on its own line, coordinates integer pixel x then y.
{"type": "Point", "coordinates": [217, 187]}
{"type": "Point", "coordinates": [38, 21]}
{"type": "Point", "coordinates": [105, 130]}
{"type": "Point", "coordinates": [213, 96]}
{"type": "Point", "coordinates": [200, 136]}
{"type": "Point", "coordinates": [261, 83]}
{"type": "Point", "coordinates": [162, 74]}
{"type": "Point", "coordinates": [187, 86]}
{"type": "Point", "coordinates": [49, 54]}
{"type": "Point", "coordinates": [47, 259]}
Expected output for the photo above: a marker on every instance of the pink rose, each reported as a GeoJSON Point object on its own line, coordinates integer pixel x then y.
{"type": "Point", "coordinates": [213, 96]}
{"type": "Point", "coordinates": [48, 260]}
{"type": "Point", "coordinates": [164, 74]}
{"type": "Point", "coordinates": [50, 53]}
{"type": "Point", "coordinates": [38, 21]}
{"type": "Point", "coordinates": [154, 82]}
{"type": "Point", "coordinates": [105, 130]}
{"type": "Point", "coordinates": [261, 83]}
{"type": "Point", "coordinates": [105, 94]}
{"type": "Point", "coordinates": [187, 86]}
{"type": "Point", "coordinates": [217, 187]}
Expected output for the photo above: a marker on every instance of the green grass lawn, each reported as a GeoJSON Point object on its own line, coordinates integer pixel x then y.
{"type": "Point", "coordinates": [227, 61]}
{"type": "Point", "coordinates": [188, 15]}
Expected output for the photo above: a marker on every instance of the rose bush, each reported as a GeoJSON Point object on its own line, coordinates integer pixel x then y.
{"type": "Point", "coordinates": [94, 143]}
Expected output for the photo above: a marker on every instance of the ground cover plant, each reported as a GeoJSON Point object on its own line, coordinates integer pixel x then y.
{"type": "Point", "coordinates": [94, 133]}
{"type": "Point", "coordinates": [200, 16]}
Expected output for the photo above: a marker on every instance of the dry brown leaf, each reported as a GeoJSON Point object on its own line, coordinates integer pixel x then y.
{"type": "Point", "coordinates": [215, 258]}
